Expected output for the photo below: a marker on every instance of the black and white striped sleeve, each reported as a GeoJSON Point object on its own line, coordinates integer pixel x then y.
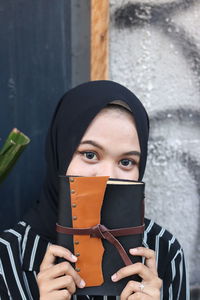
{"type": "Point", "coordinates": [176, 286]}
{"type": "Point", "coordinates": [21, 252]}
{"type": "Point", "coordinates": [170, 262]}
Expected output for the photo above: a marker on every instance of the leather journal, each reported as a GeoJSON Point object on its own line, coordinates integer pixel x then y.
{"type": "Point", "coordinates": [99, 220]}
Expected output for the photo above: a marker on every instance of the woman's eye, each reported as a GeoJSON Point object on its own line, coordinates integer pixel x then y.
{"type": "Point", "coordinates": [89, 155]}
{"type": "Point", "coordinates": [126, 162]}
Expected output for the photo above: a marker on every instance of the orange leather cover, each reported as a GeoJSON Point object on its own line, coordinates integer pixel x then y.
{"type": "Point", "coordinates": [87, 195]}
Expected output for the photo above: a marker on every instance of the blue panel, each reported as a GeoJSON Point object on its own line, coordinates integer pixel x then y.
{"type": "Point", "coordinates": [35, 70]}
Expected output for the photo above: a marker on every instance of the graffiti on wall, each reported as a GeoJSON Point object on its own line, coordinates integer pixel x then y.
{"type": "Point", "coordinates": [175, 136]}
{"type": "Point", "coordinates": [138, 15]}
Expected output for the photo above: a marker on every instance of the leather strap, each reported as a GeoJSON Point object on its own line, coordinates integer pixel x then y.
{"type": "Point", "coordinates": [93, 232]}
{"type": "Point", "coordinates": [100, 231]}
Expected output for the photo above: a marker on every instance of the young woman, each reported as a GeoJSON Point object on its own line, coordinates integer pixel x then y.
{"type": "Point", "coordinates": [99, 128]}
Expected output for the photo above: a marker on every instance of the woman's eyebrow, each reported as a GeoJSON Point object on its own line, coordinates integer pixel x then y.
{"type": "Point", "coordinates": [132, 153]}
{"type": "Point", "coordinates": [91, 143]}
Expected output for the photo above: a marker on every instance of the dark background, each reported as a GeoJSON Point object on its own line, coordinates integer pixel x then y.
{"type": "Point", "coordinates": [44, 51]}
{"type": "Point", "coordinates": [35, 71]}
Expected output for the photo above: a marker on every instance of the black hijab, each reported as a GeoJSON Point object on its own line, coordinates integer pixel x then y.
{"type": "Point", "coordinates": [72, 116]}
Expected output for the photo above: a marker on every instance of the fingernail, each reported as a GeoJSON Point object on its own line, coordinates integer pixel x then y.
{"type": "Point", "coordinates": [133, 250]}
{"type": "Point", "coordinates": [82, 284]}
{"type": "Point", "coordinates": [74, 257]}
{"type": "Point", "coordinates": [114, 277]}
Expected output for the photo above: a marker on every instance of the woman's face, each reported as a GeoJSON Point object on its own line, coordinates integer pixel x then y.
{"type": "Point", "coordinates": [109, 147]}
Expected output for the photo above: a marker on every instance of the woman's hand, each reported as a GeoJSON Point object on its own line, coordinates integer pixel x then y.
{"type": "Point", "coordinates": [149, 288]}
{"type": "Point", "coordinates": [58, 281]}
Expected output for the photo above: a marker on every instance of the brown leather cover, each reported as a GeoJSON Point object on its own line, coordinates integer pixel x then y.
{"type": "Point", "coordinates": [87, 195]}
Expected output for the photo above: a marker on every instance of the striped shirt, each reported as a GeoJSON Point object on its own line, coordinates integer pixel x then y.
{"type": "Point", "coordinates": [22, 251]}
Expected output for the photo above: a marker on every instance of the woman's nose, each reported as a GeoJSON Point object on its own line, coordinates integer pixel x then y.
{"type": "Point", "coordinates": [107, 169]}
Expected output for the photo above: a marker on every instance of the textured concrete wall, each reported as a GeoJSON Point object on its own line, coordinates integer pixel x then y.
{"type": "Point", "coordinates": [155, 51]}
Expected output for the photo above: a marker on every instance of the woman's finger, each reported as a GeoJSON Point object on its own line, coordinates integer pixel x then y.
{"type": "Point", "coordinates": [52, 286]}
{"type": "Point", "coordinates": [139, 296]}
{"type": "Point", "coordinates": [60, 295]}
{"type": "Point", "coordinates": [58, 270]}
{"type": "Point", "coordinates": [138, 268]}
{"type": "Point", "coordinates": [54, 251]}
{"type": "Point", "coordinates": [150, 258]}
{"type": "Point", "coordinates": [64, 282]}
{"type": "Point", "coordinates": [131, 287]}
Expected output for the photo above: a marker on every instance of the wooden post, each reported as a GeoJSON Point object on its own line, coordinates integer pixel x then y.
{"type": "Point", "coordinates": [99, 39]}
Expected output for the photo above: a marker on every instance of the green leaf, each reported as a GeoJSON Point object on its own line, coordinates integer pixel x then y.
{"type": "Point", "coordinates": [11, 150]}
